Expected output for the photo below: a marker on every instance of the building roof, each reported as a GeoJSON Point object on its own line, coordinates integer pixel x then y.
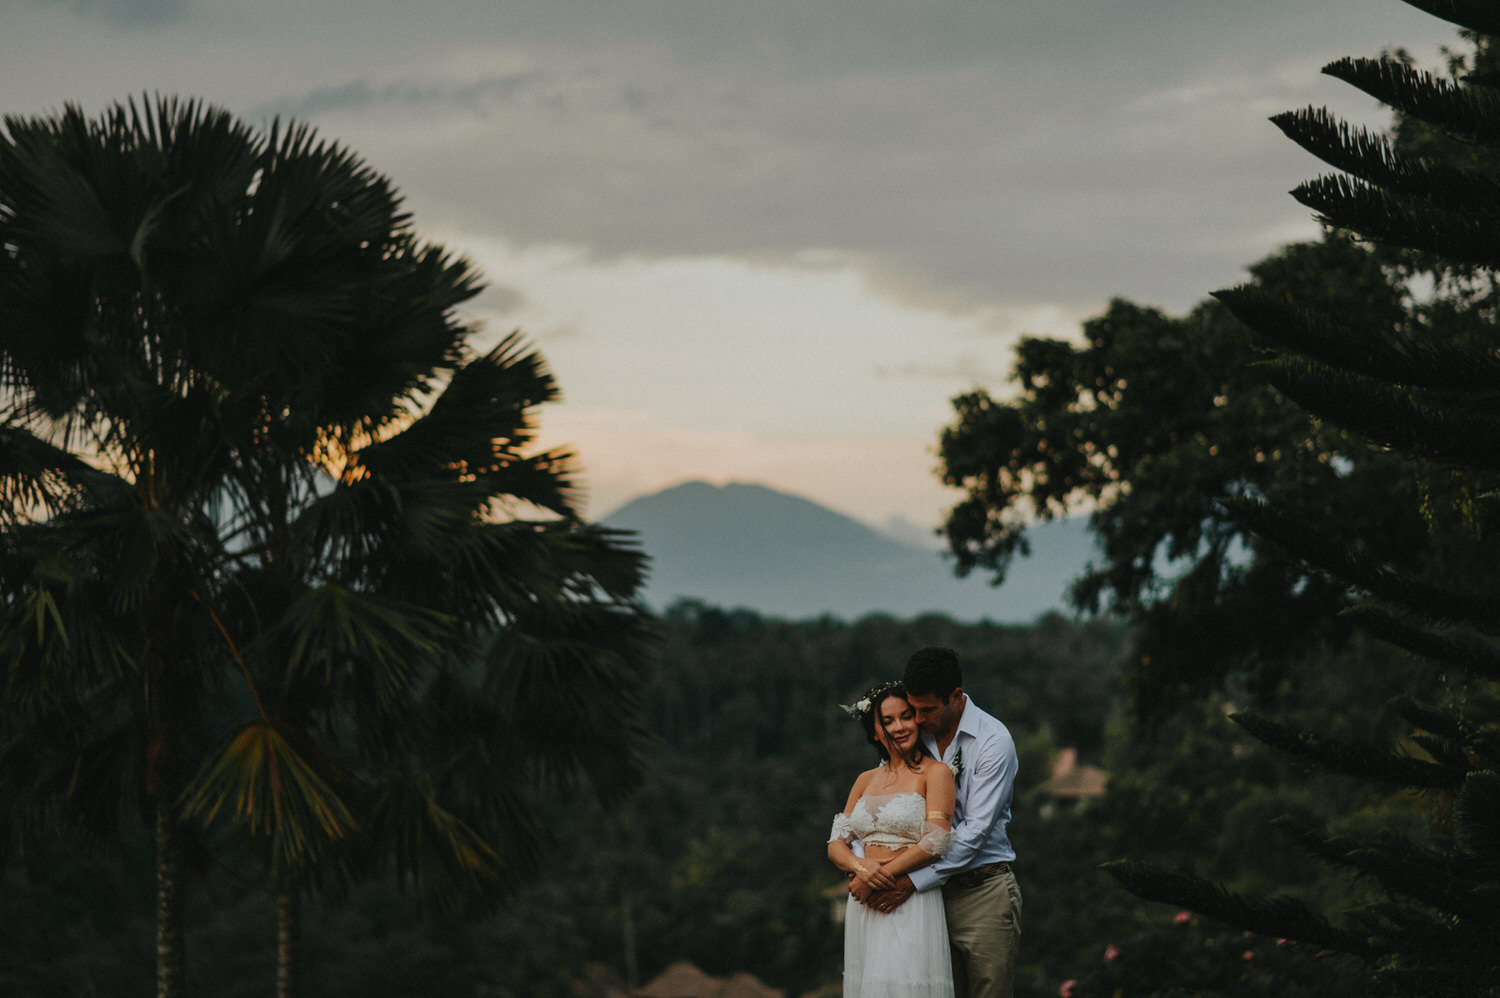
{"type": "Point", "coordinates": [743, 985]}
{"type": "Point", "coordinates": [683, 980]}
{"type": "Point", "coordinates": [1072, 780]}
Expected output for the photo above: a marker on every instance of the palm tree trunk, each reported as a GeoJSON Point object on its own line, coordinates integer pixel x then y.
{"type": "Point", "coordinates": [288, 938]}
{"type": "Point", "coordinates": [627, 925]}
{"type": "Point", "coordinates": [170, 949]}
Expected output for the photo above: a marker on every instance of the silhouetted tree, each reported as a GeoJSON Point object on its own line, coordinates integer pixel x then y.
{"type": "Point", "coordinates": [1422, 386]}
{"type": "Point", "coordinates": [274, 544]}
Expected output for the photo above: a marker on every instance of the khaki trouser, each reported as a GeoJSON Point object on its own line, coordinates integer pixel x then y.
{"type": "Point", "coordinates": [984, 932]}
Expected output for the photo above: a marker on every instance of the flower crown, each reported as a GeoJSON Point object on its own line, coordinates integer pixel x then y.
{"type": "Point", "coordinates": [859, 708]}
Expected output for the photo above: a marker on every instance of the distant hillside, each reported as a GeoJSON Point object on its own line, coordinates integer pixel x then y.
{"type": "Point", "coordinates": [749, 546]}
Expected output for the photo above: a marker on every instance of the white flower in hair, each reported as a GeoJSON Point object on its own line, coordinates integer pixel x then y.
{"type": "Point", "coordinates": [866, 703]}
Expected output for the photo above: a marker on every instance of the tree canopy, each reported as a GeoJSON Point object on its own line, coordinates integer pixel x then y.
{"type": "Point", "coordinates": [277, 545]}
{"type": "Point", "coordinates": [1308, 458]}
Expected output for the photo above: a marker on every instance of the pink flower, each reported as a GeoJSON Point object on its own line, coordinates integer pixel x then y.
{"type": "Point", "coordinates": [1249, 954]}
{"type": "Point", "coordinates": [1067, 989]}
{"type": "Point", "coordinates": [1182, 916]}
{"type": "Point", "coordinates": [1111, 951]}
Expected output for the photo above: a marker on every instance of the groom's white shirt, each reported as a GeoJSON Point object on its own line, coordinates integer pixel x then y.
{"type": "Point", "coordinates": [986, 781]}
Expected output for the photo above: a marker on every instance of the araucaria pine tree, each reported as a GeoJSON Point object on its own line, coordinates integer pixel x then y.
{"type": "Point", "coordinates": [1426, 387]}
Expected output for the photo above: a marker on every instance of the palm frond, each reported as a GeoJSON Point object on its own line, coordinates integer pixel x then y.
{"type": "Point", "coordinates": [69, 759]}
{"type": "Point", "coordinates": [480, 422]}
{"type": "Point", "coordinates": [262, 780]}
{"type": "Point", "coordinates": [39, 479]}
{"type": "Point", "coordinates": [572, 678]}
{"type": "Point", "coordinates": [331, 626]}
{"type": "Point", "coordinates": [443, 855]}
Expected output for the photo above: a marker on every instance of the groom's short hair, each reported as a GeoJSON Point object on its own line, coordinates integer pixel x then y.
{"type": "Point", "coordinates": [933, 672]}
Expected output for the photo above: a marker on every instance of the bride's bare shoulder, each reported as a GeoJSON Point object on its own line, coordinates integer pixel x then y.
{"type": "Point", "coordinates": [936, 770]}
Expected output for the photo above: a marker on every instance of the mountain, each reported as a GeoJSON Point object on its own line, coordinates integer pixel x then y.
{"type": "Point", "coordinates": [742, 545]}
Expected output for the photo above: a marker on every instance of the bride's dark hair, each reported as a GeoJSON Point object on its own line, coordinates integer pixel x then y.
{"type": "Point", "coordinates": [870, 717]}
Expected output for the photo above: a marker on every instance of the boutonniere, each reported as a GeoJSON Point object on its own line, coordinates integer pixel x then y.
{"type": "Point", "coordinates": [957, 766]}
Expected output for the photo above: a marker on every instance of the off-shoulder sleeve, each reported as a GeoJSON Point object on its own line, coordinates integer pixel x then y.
{"type": "Point", "coordinates": [935, 839]}
{"type": "Point", "coordinates": [843, 829]}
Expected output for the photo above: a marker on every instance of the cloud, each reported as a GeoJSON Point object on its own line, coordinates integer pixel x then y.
{"type": "Point", "coordinates": [968, 369]}
{"type": "Point", "coordinates": [499, 300]}
{"type": "Point", "coordinates": [127, 13]}
{"type": "Point", "coordinates": [771, 240]}
{"type": "Point", "coordinates": [361, 96]}
{"type": "Point", "coordinates": [979, 152]}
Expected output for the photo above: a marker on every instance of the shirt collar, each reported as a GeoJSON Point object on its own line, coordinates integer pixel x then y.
{"type": "Point", "coordinates": [968, 721]}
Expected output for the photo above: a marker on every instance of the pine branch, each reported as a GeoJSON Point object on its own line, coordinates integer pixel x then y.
{"type": "Point", "coordinates": [1403, 220]}
{"type": "Point", "coordinates": [1433, 958]}
{"type": "Point", "coordinates": [1480, 611]}
{"type": "Point", "coordinates": [1461, 428]}
{"type": "Point", "coordinates": [1280, 917]}
{"type": "Point", "coordinates": [1444, 751]}
{"type": "Point", "coordinates": [1484, 746]}
{"type": "Point", "coordinates": [1370, 157]}
{"type": "Point", "coordinates": [1420, 715]}
{"type": "Point", "coordinates": [1437, 980]}
{"type": "Point", "coordinates": [1477, 15]}
{"type": "Point", "coordinates": [1386, 355]}
{"type": "Point", "coordinates": [1366, 762]}
{"type": "Point", "coordinates": [1435, 954]}
{"type": "Point", "coordinates": [1446, 883]}
{"type": "Point", "coordinates": [1463, 111]}
{"type": "Point", "coordinates": [1398, 629]}
{"type": "Point", "coordinates": [1476, 817]}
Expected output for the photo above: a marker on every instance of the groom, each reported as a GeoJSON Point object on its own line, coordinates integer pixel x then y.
{"type": "Point", "coordinates": [980, 894]}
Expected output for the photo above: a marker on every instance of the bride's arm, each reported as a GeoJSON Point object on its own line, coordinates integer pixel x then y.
{"type": "Point", "coordinates": [866, 873]}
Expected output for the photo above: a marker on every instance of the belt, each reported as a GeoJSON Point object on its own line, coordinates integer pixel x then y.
{"type": "Point", "coordinates": [978, 875]}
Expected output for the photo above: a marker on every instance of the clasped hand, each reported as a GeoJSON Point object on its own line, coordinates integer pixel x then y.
{"type": "Point", "coordinates": [873, 877]}
{"type": "Point", "coordinates": [883, 899]}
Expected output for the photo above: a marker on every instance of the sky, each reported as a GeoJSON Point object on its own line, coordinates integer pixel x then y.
{"type": "Point", "coordinates": [770, 240]}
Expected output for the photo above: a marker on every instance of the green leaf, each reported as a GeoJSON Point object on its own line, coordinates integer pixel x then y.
{"type": "Point", "coordinates": [261, 781]}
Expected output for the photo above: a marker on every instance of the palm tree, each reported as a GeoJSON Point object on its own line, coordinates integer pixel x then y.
{"type": "Point", "coordinates": [272, 544]}
{"type": "Point", "coordinates": [434, 659]}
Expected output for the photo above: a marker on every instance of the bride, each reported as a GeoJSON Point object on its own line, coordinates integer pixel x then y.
{"type": "Point", "coordinates": [900, 814]}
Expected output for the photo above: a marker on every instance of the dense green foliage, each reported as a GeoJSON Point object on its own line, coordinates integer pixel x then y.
{"type": "Point", "coordinates": [278, 554]}
{"type": "Point", "coordinates": [1424, 387]}
{"type": "Point", "coordinates": [719, 858]}
{"type": "Point", "coordinates": [1260, 553]}
{"type": "Point", "coordinates": [1151, 423]}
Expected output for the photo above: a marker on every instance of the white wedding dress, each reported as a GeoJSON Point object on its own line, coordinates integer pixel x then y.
{"type": "Point", "coordinates": [903, 954]}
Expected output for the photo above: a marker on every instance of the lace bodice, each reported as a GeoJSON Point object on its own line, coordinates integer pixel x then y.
{"type": "Point", "coordinates": [894, 821]}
